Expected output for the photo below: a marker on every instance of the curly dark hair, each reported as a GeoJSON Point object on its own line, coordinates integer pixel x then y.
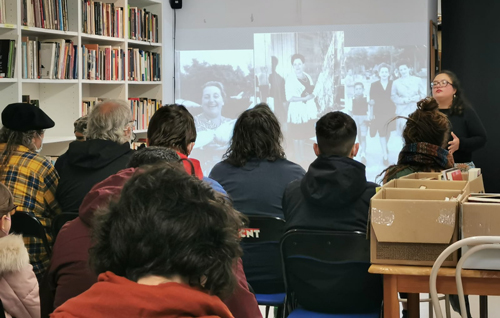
{"type": "Point", "coordinates": [172, 126]}
{"type": "Point", "coordinates": [166, 223]}
{"type": "Point", "coordinates": [426, 124]}
{"type": "Point", "coordinates": [257, 134]}
{"type": "Point", "coordinates": [152, 155]}
{"type": "Point", "coordinates": [459, 101]}
{"type": "Point", "coordinates": [297, 56]}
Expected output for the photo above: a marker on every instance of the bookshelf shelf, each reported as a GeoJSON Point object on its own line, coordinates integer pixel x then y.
{"type": "Point", "coordinates": [40, 31]}
{"type": "Point", "coordinates": [101, 38]}
{"type": "Point", "coordinates": [64, 99]}
{"type": "Point", "coordinates": [7, 26]}
{"type": "Point", "coordinates": [144, 82]}
{"type": "Point", "coordinates": [143, 43]}
{"type": "Point", "coordinates": [8, 80]}
{"type": "Point", "coordinates": [102, 82]}
{"type": "Point", "coordinates": [50, 81]}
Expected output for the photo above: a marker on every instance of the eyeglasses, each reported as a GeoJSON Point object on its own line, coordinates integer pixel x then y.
{"type": "Point", "coordinates": [442, 83]}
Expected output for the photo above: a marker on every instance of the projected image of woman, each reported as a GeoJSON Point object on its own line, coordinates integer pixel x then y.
{"type": "Point", "coordinates": [382, 108]}
{"type": "Point", "coordinates": [302, 107]}
{"type": "Point", "coordinates": [407, 90]}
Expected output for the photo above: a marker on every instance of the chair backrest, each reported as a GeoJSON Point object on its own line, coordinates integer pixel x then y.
{"type": "Point", "coordinates": [261, 257]}
{"type": "Point", "coordinates": [28, 225]}
{"type": "Point", "coordinates": [2, 311]}
{"type": "Point", "coordinates": [61, 219]}
{"type": "Point", "coordinates": [327, 271]}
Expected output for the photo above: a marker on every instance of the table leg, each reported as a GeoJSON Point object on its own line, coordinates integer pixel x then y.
{"type": "Point", "coordinates": [483, 306]}
{"type": "Point", "coordinates": [391, 300]}
{"type": "Point", "coordinates": [413, 305]}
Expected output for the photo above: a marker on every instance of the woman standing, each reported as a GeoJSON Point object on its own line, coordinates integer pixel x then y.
{"type": "Point", "coordinates": [467, 130]}
{"type": "Point", "coordinates": [407, 90]}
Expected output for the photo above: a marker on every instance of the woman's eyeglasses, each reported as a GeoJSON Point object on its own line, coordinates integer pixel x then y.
{"type": "Point", "coordinates": [442, 83]}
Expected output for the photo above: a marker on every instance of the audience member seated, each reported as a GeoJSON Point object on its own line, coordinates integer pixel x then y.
{"type": "Point", "coordinates": [166, 248]}
{"type": "Point", "coordinates": [80, 128]}
{"type": "Point", "coordinates": [172, 126]}
{"type": "Point", "coordinates": [29, 176]}
{"type": "Point", "coordinates": [18, 284]}
{"type": "Point", "coordinates": [334, 193]}
{"type": "Point", "coordinates": [107, 151]}
{"type": "Point", "coordinates": [425, 141]}
{"type": "Point", "coordinates": [255, 171]}
{"type": "Point", "coordinates": [69, 274]}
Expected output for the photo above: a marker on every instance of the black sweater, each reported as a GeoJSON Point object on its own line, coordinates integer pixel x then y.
{"type": "Point", "coordinates": [469, 129]}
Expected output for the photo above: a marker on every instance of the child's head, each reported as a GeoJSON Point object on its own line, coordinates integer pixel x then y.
{"type": "Point", "coordinates": [7, 208]}
{"type": "Point", "coordinates": [359, 89]}
{"type": "Point", "coordinates": [336, 135]}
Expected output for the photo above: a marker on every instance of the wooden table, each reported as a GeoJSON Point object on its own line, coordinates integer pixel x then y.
{"type": "Point", "coordinates": [415, 280]}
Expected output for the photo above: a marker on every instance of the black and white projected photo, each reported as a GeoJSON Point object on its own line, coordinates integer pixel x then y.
{"type": "Point", "coordinates": [381, 83]}
{"type": "Point", "coordinates": [299, 75]}
{"type": "Point", "coordinates": [215, 86]}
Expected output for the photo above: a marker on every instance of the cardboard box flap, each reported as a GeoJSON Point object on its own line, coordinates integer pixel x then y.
{"type": "Point", "coordinates": [480, 219]}
{"type": "Point", "coordinates": [401, 221]}
{"type": "Point", "coordinates": [423, 175]}
{"type": "Point", "coordinates": [429, 184]}
{"type": "Point", "coordinates": [420, 194]}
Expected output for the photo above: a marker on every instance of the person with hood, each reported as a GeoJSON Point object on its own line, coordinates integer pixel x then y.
{"type": "Point", "coordinates": [334, 194]}
{"type": "Point", "coordinates": [166, 248]}
{"type": "Point", "coordinates": [69, 274]}
{"type": "Point", "coordinates": [105, 152]}
{"type": "Point", "coordinates": [18, 284]}
{"type": "Point", "coordinates": [29, 176]}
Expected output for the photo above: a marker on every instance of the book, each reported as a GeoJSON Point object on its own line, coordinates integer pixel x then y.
{"type": "Point", "coordinates": [484, 197]}
{"type": "Point", "coordinates": [47, 59]}
{"type": "Point", "coordinates": [7, 58]}
{"type": "Point", "coordinates": [474, 173]}
{"type": "Point", "coordinates": [447, 173]}
{"type": "Point", "coordinates": [455, 175]}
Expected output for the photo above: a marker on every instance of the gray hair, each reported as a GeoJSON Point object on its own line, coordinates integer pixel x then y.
{"type": "Point", "coordinates": [152, 155]}
{"type": "Point", "coordinates": [109, 120]}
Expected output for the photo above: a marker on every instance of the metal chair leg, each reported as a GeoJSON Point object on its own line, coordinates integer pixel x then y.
{"type": "Point", "coordinates": [447, 306]}
{"type": "Point", "coordinates": [267, 311]}
{"type": "Point", "coordinates": [431, 310]}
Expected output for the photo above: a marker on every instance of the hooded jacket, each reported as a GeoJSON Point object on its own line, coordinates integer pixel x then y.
{"type": "Point", "coordinates": [69, 274]}
{"type": "Point", "coordinates": [333, 195]}
{"type": "Point", "coordinates": [115, 296]}
{"type": "Point", "coordinates": [18, 284]}
{"type": "Point", "coordinates": [85, 164]}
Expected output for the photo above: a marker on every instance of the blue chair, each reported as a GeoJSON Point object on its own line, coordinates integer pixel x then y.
{"type": "Point", "coordinates": [326, 275]}
{"type": "Point", "coordinates": [260, 241]}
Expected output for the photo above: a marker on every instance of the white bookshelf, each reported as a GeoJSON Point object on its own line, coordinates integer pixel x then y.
{"type": "Point", "coordinates": [62, 99]}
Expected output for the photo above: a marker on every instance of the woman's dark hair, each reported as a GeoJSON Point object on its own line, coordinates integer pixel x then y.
{"type": "Point", "coordinates": [459, 100]}
{"type": "Point", "coordinates": [403, 62]}
{"type": "Point", "coordinates": [426, 124]}
{"type": "Point", "coordinates": [12, 139]}
{"type": "Point", "coordinates": [384, 65]}
{"type": "Point", "coordinates": [298, 56]}
{"type": "Point", "coordinates": [215, 84]}
{"type": "Point", "coordinates": [152, 155]}
{"type": "Point", "coordinates": [257, 134]}
{"type": "Point", "coordinates": [172, 126]}
{"type": "Point", "coordinates": [167, 223]}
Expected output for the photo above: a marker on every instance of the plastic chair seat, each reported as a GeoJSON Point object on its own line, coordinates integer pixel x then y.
{"type": "Point", "coordinates": [270, 299]}
{"type": "Point", "coordinates": [302, 313]}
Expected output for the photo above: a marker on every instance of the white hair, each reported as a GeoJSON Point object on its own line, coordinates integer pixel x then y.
{"type": "Point", "coordinates": [109, 120]}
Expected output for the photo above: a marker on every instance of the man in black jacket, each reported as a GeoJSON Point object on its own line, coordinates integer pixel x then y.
{"type": "Point", "coordinates": [334, 193]}
{"type": "Point", "coordinates": [105, 152]}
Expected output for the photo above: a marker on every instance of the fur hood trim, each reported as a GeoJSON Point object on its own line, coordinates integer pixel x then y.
{"type": "Point", "coordinates": [13, 254]}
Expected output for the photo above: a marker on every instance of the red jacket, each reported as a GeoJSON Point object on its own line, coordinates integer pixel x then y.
{"type": "Point", "coordinates": [116, 296]}
{"type": "Point", "coordinates": [69, 274]}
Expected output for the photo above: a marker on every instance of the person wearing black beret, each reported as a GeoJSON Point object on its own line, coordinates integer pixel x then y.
{"type": "Point", "coordinates": [30, 177]}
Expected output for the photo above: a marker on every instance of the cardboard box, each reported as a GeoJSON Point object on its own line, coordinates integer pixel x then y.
{"type": "Point", "coordinates": [476, 185]}
{"type": "Point", "coordinates": [424, 175]}
{"type": "Point", "coordinates": [412, 226]}
{"type": "Point", "coordinates": [480, 219]}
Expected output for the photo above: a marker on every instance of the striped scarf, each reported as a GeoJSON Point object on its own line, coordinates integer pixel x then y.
{"type": "Point", "coordinates": [422, 153]}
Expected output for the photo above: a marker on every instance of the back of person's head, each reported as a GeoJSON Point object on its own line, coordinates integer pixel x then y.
{"type": "Point", "coordinates": [110, 120]}
{"type": "Point", "coordinates": [336, 134]}
{"type": "Point", "coordinates": [427, 124]}
{"type": "Point", "coordinates": [152, 155]}
{"type": "Point", "coordinates": [172, 126]}
{"type": "Point", "coordinates": [257, 134]}
{"type": "Point", "coordinates": [168, 223]}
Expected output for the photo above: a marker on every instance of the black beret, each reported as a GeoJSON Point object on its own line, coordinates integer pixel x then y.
{"type": "Point", "coordinates": [24, 117]}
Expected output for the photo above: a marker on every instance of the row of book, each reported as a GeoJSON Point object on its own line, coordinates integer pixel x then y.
{"type": "Point", "coordinates": [143, 25]}
{"type": "Point", "coordinates": [88, 103]}
{"type": "Point", "coordinates": [142, 111]}
{"type": "Point", "coordinates": [48, 14]}
{"type": "Point", "coordinates": [49, 59]}
{"type": "Point", "coordinates": [102, 19]}
{"type": "Point", "coordinates": [7, 58]}
{"type": "Point", "coordinates": [103, 62]}
{"type": "Point", "coordinates": [143, 65]}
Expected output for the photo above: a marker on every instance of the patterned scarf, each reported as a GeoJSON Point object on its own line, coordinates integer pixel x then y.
{"type": "Point", "coordinates": [423, 153]}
